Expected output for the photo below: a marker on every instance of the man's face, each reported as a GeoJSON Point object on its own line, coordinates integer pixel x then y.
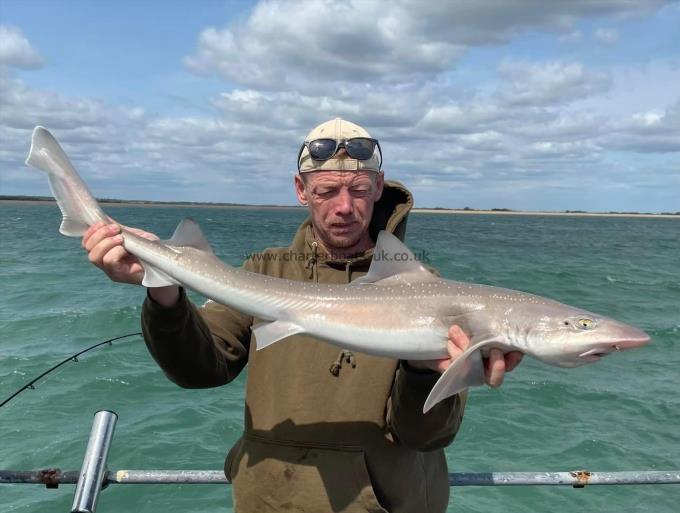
{"type": "Point", "coordinates": [340, 205]}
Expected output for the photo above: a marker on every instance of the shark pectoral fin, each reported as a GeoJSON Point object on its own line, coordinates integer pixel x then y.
{"type": "Point", "coordinates": [266, 333]}
{"type": "Point", "coordinates": [156, 278]}
{"type": "Point", "coordinates": [467, 371]}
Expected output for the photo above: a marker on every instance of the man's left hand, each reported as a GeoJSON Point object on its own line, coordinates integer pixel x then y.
{"type": "Point", "coordinates": [495, 365]}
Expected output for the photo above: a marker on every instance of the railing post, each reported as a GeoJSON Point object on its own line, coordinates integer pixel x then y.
{"type": "Point", "coordinates": [93, 471]}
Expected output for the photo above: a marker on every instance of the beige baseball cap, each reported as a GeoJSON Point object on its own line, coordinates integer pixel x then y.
{"type": "Point", "coordinates": [337, 129]}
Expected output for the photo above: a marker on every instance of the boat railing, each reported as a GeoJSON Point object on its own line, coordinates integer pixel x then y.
{"type": "Point", "coordinates": [95, 476]}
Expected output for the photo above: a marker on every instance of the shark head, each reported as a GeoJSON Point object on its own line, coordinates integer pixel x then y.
{"type": "Point", "coordinates": [570, 337]}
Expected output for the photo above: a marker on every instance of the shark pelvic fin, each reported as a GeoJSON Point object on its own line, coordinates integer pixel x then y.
{"type": "Point", "coordinates": [188, 233]}
{"type": "Point", "coordinates": [466, 371]}
{"type": "Point", "coordinates": [266, 333]}
{"type": "Point", "coordinates": [391, 258]}
{"type": "Point", "coordinates": [155, 277]}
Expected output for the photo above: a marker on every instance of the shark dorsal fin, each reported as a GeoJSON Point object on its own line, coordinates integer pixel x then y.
{"type": "Point", "coordinates": [188, 233]}
{"type": "Point", "coordinates": [392, 258]}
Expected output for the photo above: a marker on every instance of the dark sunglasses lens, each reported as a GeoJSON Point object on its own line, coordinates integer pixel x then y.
{"type": "Point", "coordinates": [322, 149]}
{"type": "Point", "coordinates": [360, 148]}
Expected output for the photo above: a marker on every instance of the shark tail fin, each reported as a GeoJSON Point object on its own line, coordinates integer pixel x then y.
{"type": "Point", "coordinates": [78, 207]}
{"type": "Point", "coordinates": [466, 371]}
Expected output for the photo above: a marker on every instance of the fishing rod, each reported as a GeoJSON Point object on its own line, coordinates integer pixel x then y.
{"type": "Point", "coordinates": [72, 358]}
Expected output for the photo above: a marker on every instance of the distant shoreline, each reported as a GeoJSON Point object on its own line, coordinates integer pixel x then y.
{"type": "Point", "coordinates": [445, 211]}
{"type": "Point", "coordinates": [149, 204]}
{"type": "Point", "coordinates": [451, 211]}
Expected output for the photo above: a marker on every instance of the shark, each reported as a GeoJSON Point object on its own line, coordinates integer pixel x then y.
{"type": "Point", "coordinates": [399, 309]}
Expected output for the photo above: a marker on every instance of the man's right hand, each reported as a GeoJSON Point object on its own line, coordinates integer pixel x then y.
{"type": "Point", "coordinates": [104, 246]}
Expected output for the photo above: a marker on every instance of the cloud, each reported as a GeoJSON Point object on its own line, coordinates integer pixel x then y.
{"type": "Point", "coordinates": [463, 116]}
{"type": "Point", "coordinates": [655, 131]}
{"type": "Point", "coordinates": [389, 106]}
{"type": "Point", "coordinates": [16, 51]}
{"type": "Point", "coordinates": [571, 37]}
{"type": "Point", "coordinates": [550, 83]}
{"type": "Point", "coordinates": [125, 153]}
{"type": "Point", "coordinates": [430, 135]}
{"type": "Point", "coordinates": [607, 36]}
{"type": "Point", "coordinates": [272, 48]}
{"type": "Point", "coordinates": [23, 107]}
{"type": "Point", "coordinates": [368, 40]}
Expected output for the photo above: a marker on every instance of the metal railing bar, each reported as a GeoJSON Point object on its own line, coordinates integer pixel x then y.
{"type": "Point", "coordinates": [576, 478]}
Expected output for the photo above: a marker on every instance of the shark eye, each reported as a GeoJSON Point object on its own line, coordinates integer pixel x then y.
{"type": "Point", "coordinates": [585, 323]}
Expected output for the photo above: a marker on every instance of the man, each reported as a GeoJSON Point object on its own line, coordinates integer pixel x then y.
{"type": "Point", "coordinates": [325, 430]}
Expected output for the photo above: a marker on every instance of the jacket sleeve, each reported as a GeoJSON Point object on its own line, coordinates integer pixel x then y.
{"type": "Point", "coordinates": [196, 348]}
{"type": "Point", "coordinates": [405, 419]}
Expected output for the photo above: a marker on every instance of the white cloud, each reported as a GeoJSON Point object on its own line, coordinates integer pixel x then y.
{"type": "Point", "coordinates": [369, 40]}
{"type": "Point", "coordinates": [655, 131]}
{"type": "Point", "coordinates": [564, 151]}
{"type": "Point", "coordinates": [564, 126]}
{"type": "Point", "coordinates": [607, 36]}
{"type": "Point", "coordinates": [457, 117]}
{"type": "Point", "coordinates": [124, 153]}
{"type": "Point", "coordinates": [571, 37]}
{"type": "Point", "coordinates": [16, 51]}
{"type": "Point", "coordinates": [550, 83]}
{"type": "Point", "coordinates": [23, 107]}
{"type": "Point", "coordinates": [252, 138]}
{"type": "Point", "coordinates": [355, 42]}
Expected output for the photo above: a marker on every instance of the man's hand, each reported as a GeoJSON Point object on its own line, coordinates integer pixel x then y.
{"type": "Point", "coordinates": [104, 246]}
{"type": "Point", "coordinates": [495, 366]}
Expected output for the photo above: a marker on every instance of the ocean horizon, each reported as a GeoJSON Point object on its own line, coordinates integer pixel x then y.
{"type": "Point", "coordinates": [112, 202]}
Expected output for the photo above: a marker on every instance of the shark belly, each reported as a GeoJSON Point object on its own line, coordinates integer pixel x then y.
{"type": "Point", "coordinates": [400, 340]}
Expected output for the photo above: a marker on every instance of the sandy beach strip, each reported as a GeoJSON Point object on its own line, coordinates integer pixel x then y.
{"type": "Point", "coordinates": [537, 213]}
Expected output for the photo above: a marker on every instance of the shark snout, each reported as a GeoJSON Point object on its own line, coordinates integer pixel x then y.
{"type": "Point", "coordinates": [631, 338]}
{"type": "Point", "coordinates": [627, 337]}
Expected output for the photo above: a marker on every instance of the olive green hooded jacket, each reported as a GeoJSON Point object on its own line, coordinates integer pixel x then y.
{"type": "Point", "coordinates": [325, 430]}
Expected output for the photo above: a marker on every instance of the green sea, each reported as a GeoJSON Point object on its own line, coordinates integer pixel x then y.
{"type": "Point", "coordinates": [622, 413]}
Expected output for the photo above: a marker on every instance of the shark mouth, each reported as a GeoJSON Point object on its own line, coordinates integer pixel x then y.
{"type": "Point", "coordinates": [596, 353]}
{"type": "Point", "coordinates": [599, 352]}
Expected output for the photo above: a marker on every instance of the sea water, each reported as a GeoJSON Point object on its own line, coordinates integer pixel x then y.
{"type": "Point", "coordinates": [622, 413]}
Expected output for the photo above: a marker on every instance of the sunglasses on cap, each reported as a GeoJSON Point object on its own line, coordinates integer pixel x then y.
{"type": "Point", "coordinates": [359, 148]}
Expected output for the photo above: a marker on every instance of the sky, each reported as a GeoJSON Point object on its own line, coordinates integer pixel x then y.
{"type": "Point", "coordinates": [520, 104]}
